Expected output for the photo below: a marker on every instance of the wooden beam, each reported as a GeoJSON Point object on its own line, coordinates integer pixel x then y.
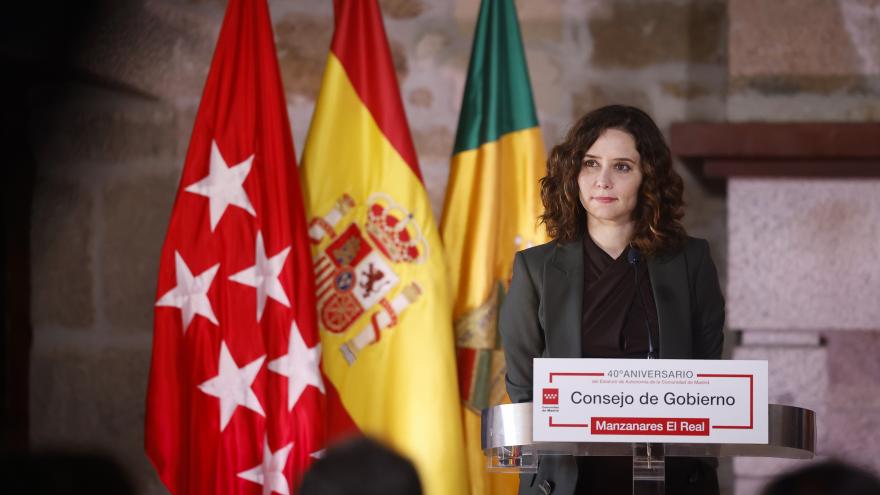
{"type": "Point", "coordinates": [778, 149]}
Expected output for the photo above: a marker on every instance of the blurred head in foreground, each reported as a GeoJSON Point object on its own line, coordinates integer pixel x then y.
{"type": "Point", "coordinates": [361, 466]}
{"type": "Point", "coordinates": [826, 478]}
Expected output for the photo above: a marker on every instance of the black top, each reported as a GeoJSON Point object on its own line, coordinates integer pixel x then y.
{"type": "Point", "coordinates": [613, 326]}
{"type": "Point", "coordinates": [613, 323]}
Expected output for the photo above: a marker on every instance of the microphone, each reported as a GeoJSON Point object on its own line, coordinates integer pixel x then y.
{"type": "Point", "coordinates": [634, 256]}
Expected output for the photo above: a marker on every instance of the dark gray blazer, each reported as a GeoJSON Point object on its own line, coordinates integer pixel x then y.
{"type": "Point", "coordinates": [541, 317]}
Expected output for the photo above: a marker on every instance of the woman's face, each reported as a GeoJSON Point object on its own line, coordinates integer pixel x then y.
{"type": "Point", "coordinates": [610, 176]}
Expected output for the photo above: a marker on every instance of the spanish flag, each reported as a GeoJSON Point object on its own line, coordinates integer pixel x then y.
{"type": "Point", "coordinates": [384, 307]}
{"type": "Point", "coordinates": [490, 213]}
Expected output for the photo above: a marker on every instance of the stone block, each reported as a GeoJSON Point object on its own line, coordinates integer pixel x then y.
{"type": "Point", "coordinates": [155, 47]}
{"type": "Point", "coordinates": [402, 9]}
{"type": "Point", "coordinates": [540, 21]}
{"type": "Point", "coordinates": [303, 41]}
{"type": "Point", "coordinates": [853, 420]}
{"type": "Point", "coordinates": [545, 74]}
{"type": "Point", "coordinates": [861, 18]}
{"type": "Point", "coordinates": [434, 142]}
{"type": "Point", "coordinates": [62, 255]}
{"type": "Point", "coordinates": [791, 382]}
{"type": "Point", "coordinates": [686, 90]}
{"type": "Point", "coordinates": [433, 45]}
{"type": "Point", "coordinates": [186, 118]}
{"type": "Point", "coordinates": [421, 97]}
{"type": "Point", "coordinates": [553, 132]}
{"type": "Point", "coordinates": [135, 218]}
{"type": "Point", "coordinates": [802, 38]}
{"type": "Point", "coordinates": [749, 486]}
{"type": "Point", "coordinates": [706, 217]}
{"type": "Point", "coordinates": [855, 399]}
{"type": "Point", "coordinates": [779, 85]}
{"type": "Point", "coordinates": [854, 437]}
{"type": "Point", "coordinates": [838, 383]}
{"type": "Point", "coordinates": [751, 106]}
{"type": "Point", "coordinates": [398, 58]}
{"type": "Point", "coordinates": [780, 338]}
{"type": "Point", "coordinates": [150, 484]}
{"type": "Point", "coordinates": [595, 95]}
{"type": "Point", "coordinates": [465, 13]}
{"type": "Point", "coordinates": [74, 125]}
{"type": "Point", "coordinates": [92, 400]}
{"type": "Point", "coordinates": [640, 34]}
{"type": "Point", "coordinates": [854, 368]}
{"type": "Point", "coordinates": [800, 251]}
{"type": "Point", "coordinates": [435, 171]}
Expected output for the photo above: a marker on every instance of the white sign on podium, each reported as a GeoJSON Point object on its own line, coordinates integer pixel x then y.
{"type": "Point", "coordinates": [650, 400]}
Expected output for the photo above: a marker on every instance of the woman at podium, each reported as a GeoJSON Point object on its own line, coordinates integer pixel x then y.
{"type": "Point", "coordinates": [620, 279]}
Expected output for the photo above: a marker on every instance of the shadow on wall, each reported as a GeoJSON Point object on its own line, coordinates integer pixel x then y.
{"type": "Point", "coordinates": [36, 43]}
{"type": "Point", "coordinates": [64, 472]}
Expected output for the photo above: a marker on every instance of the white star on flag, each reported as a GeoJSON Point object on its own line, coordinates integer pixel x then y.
{"type": "Point", "coordinates": [270, 473]}
{"type": "Point", "coordinates": [263, 275]}
{"type": "Point", "coordinates": [223, 185]}
{"type": "Point", "coordinates": [191, 293]}
{"type": "Point", "coordinates": [299, 365]}
{"type": "Point", "coordinates": [232, 385]}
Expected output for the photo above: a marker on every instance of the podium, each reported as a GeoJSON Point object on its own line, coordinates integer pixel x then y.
{"type": "Point", "coordinates": [507, 442]}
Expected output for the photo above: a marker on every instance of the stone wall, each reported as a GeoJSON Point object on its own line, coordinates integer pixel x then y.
{"type": "Point", "coordinates": [110, 149]}
{"type": "Point", "coordinates": [804, 279]}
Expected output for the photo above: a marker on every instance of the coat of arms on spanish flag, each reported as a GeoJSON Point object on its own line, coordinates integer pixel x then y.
{"type": "Point", "coordinates": [384, 308]}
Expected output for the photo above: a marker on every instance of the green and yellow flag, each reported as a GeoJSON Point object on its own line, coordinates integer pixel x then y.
{"type": "Point", "coordinates": [490, 213]}
{"type": "Point", "coordinates": [380, 274]}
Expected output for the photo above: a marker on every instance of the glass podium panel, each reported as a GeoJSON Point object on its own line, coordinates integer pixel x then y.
{"type": "Point", "coordinates": [507, 443]}
{"type": "Point", "coordinates": [649, 469]}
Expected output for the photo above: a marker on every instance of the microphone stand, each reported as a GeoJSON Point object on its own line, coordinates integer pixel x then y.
{"type": "Point", "coordinates": [634, 257]}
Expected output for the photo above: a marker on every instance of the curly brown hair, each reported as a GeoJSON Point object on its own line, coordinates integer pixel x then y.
{"type": "Point", "coordinates": [660, 206]}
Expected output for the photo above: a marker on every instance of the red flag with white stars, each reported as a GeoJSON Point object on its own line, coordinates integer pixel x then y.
{"type": "Point", "coordinates": [237, 401]}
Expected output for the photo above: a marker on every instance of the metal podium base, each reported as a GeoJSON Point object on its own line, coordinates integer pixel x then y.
{"type": "Point", "coordinates": [507, 443]}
